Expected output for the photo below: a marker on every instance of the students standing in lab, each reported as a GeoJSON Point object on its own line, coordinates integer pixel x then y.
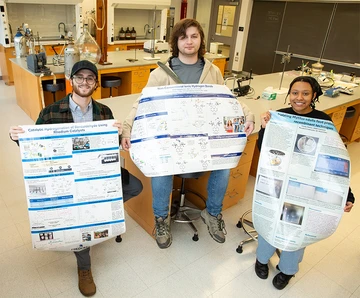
{"type": "Point", "coordinates": [304, 92]}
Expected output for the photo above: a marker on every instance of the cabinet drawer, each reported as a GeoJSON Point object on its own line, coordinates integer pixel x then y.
{"type": "Point", "coordinates": [248, 152]}
{"type": "Point", "coordinates": [137, 87]}
{"type": "Point", "coordinates": [356, 133]}
{"type": "Point", "coordinates": [338, 116]}
{"type": "Point", "coordinates": [140, 75]}
{"type": "Point", "coordinates": [237, 184]}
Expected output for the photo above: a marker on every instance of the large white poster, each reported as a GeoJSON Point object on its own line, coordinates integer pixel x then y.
{"type": "Point", "coordinates": [73, 184]}
{"type": "Point", "coordinates": [187, 128]}
{"type": "Point", "coordinates": [302, 181]}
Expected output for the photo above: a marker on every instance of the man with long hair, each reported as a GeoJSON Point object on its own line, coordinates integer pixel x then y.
{"type": "Point", "coordinates": [188, 66]}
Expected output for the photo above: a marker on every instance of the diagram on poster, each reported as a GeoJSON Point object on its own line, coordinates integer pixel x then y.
{"type": "Point", "coordinates": [73, 184]}
{"type": "Point", "coordinates": [187, 128]}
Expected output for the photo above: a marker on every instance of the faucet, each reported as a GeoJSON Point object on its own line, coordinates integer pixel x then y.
{"type": "Point", "coordinates": [147, 30]}
{"type": "Point", "coordinates": [232, 78]}
{"type": "Point", "coordinates": [59, 26]}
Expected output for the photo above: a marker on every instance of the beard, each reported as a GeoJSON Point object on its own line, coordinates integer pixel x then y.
{"type": "Point", "coordinates": [84, 90]}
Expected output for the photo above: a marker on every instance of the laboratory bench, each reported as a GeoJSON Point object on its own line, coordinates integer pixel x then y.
{"type": "Point", "coordinates": [56, 47]}
{"type": "Point", "coordinates": [140, 207]}
{"type": "Point", "coordinates": [134, 76]}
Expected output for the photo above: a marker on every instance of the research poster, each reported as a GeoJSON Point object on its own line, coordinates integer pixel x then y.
{"type": "Point", "coordinates": [73, 184]}
{"type": "Point", "coordinates": [302, 181]}
{"type": "Point", "coordinates": [187, 128]}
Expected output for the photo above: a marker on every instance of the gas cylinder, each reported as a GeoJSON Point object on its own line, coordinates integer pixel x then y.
{"type": "Point", "coordinates": [71, 56]}
{"type": "Point", "coordinates": [20, 44]}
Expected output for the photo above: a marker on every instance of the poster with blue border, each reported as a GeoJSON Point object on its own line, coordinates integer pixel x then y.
{"type": "Point", "coordinates": [73, 185]}
{"type": "Point", "coordinates": [302, 181]}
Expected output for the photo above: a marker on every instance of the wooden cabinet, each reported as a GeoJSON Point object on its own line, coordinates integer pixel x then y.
{"type": "Point", "coordinates": [221, 63]}
{"type": "Point", "coordinates": [139, 78]}
{"type": "Point", "coordinates": [5, 64]}
{"type": "Point", "coordinates": [351, 126]}
{"type": "Point", "coordinates": [338, 116]}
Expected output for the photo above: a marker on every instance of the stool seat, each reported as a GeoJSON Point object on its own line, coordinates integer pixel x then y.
{"type": "Point", "coordinates": [350, 112]}
{"type": "Point", "coordinates": [110, 82]}
{"type": "Point", "coordinates": [49, 86]}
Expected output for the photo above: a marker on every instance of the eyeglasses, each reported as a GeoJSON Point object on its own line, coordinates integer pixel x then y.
{"type": "Point", "coordinates": [80, 80]}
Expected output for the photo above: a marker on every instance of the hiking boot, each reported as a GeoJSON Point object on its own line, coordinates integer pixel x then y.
{"type": "Point", "coordinates": [215, 224]}
{"type": "Point", "coordinates": [281, 280]}
{"type": "Point", "coordinates": [86, 283]}
{"type": "Point", "coordinates": [162, 232]}
{"type": "Point", "coordinates": [261, 270]}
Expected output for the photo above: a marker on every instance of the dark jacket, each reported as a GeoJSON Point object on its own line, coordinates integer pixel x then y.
{"type": "Point", "coordinates": [59, 112]}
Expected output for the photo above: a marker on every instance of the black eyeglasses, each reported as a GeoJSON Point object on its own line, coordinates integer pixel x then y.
{"type": "Point", "coordinates": [89, 80]}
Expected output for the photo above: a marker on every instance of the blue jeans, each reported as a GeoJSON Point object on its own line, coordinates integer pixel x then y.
{"type": "Point", "coordinates": [216, 188]}
{"type": "Point", "coordinates": [289, 260]}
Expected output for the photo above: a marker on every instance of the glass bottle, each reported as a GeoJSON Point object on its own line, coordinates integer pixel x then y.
{"type": "Point", "coordinates": [122, 34]}
{"type": "Point", "coordinates": [127, 34]}
{"type": "Point", "coordinates": [133, 33]}
{"type": "Point", "coordinates": [88, 47]}
{"type": "Point", "coordinates": [71, 56]}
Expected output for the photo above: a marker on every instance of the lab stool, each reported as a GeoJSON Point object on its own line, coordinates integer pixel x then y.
{"type": "Point", "coordinates": [350, 112]}
{"type": "Point", "coordinates": [110, 82]}
{"type": "Point", "coordinates": [53, 88]}
{"type": "Point", "coordinates": [186, 214]}
{"type": "Point", "coordinates": [247, 225]}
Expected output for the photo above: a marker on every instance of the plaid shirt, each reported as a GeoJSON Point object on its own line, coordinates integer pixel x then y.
{"type": "Point", "coordinates": [59, 112]}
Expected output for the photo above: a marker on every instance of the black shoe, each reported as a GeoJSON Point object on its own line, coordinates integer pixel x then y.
{"type": "Point", "coordinates": [281, 280]}
{"type": "Point", "coordinates": [261, 270]}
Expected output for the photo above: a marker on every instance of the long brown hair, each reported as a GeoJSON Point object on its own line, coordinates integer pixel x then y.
{"type": "Point", "coordinates": [180, 30]}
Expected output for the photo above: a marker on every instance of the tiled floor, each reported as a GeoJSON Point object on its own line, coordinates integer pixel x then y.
{"type": "Point", "coordinates": [138, 268]}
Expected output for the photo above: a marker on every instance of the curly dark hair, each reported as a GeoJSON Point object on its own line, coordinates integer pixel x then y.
{"type": "Point", "coordinates": [315, 86]}
{"type": "Point", "coordinates": [180, 30]}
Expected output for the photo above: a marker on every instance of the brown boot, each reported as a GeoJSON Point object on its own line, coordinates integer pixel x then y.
{"type": "Point", "coordinates": [86, 283]}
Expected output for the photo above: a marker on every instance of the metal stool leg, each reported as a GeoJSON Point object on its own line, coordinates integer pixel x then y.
{"type": "Point", "coordinates": [54, 96]}
{"type": "Point", "coordinates": [183, 213]}
{"type": "Point", "coordinates": [245, 223]}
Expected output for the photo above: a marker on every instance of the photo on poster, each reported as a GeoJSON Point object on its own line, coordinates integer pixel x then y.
{"type": "Point", "coordinates": [332, 165]}
{"type": "Point", "coordinates": [81, 143]}
{"type": "Point", "coordinates": [311, 192]}
{"type": "Point", "coordinates": [306, 144]}
{"type": "Point", "coordinates": [109, 158]}
{"type": "Point", "coordinates": [269, 186]}
{"type": "Point", "coordinates": [86, 236]}
{"type": "Point", "coordinates": [292, 213]}
{"type": "Point", "coordinates": [101, 234]}
{"type": "Point", "coordinates": [46, 236]}
{"type": "Point", "coordinates": [234, 124]}
{"type": "Point", "coordinates": [275, 157]}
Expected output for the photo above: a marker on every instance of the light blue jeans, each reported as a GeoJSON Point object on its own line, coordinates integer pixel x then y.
{"type": "Point", "coordinates": [289, 260]}
{"type": "Point", "coordinates": [216, 188]}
